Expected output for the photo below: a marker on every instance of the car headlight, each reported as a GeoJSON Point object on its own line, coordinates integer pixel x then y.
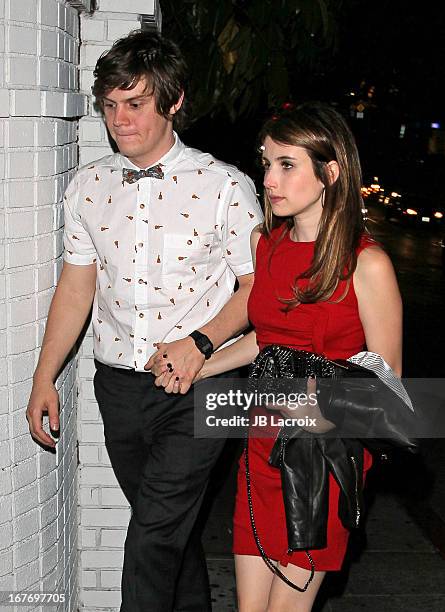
{"type": "Point", "coordinates": [411, 211]}
{"type": "Point", "coordinates": [438, 214]}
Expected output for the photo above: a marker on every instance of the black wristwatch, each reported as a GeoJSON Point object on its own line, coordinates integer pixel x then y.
{"type": "Point", "coordinates": [203, 343]}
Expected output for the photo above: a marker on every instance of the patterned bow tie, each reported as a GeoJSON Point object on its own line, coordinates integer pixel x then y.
{"type": "Point", "coordinates": [132, 176]}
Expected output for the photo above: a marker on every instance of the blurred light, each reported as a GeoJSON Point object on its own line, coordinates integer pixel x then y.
{"type": "Point", "coordinates": [438, 215]}
{"type": "Point", "coordinates": [376, 179]}
{"type": "Point", "coordinates": [352, 93]}
{"type": "Point", "coordinates": [402, 130]}
{"type": "Point", "coordinates": [386, 201]}
{"type": "Point", "coordinates": [411, 211]}
{"type": "Point", "coordinates": [394, 194]}
{"type": "Point", "coordinates": [435, 126]}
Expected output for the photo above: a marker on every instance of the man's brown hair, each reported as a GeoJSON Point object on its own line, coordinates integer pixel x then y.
{"type": "Point", "coordinates": [144, 55]}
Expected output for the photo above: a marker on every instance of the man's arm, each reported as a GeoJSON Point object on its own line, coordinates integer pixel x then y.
{"type": "Point", "coordinates": [68, 313]}
{"type": "Point", "coordinates": [186, 357]}
{"type": "Point", "coordinates": [216, 330]}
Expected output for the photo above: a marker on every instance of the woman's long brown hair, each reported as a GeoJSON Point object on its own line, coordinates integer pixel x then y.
{"type": "Point", "coordinates": [324, 134]}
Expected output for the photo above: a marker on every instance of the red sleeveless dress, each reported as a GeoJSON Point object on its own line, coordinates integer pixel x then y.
{"type": "Point", "coordinates": [328, 328]}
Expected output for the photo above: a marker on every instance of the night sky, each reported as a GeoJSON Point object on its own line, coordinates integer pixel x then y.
{"type": "Point", "coordinates": [398, 47]}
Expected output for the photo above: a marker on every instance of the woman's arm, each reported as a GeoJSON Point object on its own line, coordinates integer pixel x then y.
{"type": "Point", "coordinates": [236, 355]}
{"type": "Point", "coordinates": [380, 305]}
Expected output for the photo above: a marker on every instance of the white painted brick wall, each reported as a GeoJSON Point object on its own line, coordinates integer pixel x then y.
{"type": "Point", "coordinates": [39, 105]}
{"type": "Point", "coordinates": [146, 7]}
{"type": "Point", "coordinates": [104, 511]}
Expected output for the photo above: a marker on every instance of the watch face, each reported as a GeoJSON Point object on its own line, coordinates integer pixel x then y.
{"type": "Point", "coordinates": [203, 343]}
{"type": "Point", "coordinates": [207, 350]}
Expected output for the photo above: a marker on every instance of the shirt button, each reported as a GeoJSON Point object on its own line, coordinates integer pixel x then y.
{"type": "Point", "coordinates": [141, 281]}
{"type": "Point", "coordinates": [141, 315]}
{"type": "Point", "coordinates": [141, 205]}
{"type": "Point", "coordinates": [139, 350]}
{"type": "Point", "coordinates": [141, 244]}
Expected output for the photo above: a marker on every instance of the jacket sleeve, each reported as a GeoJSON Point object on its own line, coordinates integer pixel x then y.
{"type": "Point", "coordinates": [366, 408]}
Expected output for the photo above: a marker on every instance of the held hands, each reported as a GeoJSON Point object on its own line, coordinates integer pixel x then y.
{"type": "Point", "coordinates": [175, 365]}
{"type": "Point", "coordinates": [44, 399]}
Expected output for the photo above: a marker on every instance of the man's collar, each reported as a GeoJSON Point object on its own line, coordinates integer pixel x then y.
{"type": "Point", "coordinates": [167, 161]}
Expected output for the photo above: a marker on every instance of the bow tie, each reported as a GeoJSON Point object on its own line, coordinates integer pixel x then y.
{"type": "Point", "coordinates": [131, 176]}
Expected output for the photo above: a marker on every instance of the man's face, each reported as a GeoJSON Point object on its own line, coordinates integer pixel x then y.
{"type": "Point", "coordinates": [141, 134]}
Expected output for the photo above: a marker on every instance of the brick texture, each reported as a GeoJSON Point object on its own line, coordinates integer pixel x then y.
{"type": "Point", "coordinates": [40, 106]}
{"type": "Point", "coordinates": [61, 528]}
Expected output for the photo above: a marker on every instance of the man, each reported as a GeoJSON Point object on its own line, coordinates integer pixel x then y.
{"type": "Point", "coordinates": [155, 236]}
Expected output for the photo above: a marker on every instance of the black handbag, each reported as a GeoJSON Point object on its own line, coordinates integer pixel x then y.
{"type": "Point", "coordinates": [277, 363]}
{"type": "Point", "coordinates": [360, 403]}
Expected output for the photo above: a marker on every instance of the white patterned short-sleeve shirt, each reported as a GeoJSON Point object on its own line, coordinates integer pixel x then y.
{"type": "Point", "coordinates": [167, 250]}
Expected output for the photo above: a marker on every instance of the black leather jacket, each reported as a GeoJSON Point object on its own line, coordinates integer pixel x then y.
{"type": "Point", "coordinates": [305, 463]}
{"type": "Point", "coordinates": [360, 407]}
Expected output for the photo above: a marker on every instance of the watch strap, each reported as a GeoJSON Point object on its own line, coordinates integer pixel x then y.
{"type": "Point", "coordinates": [203, 343]}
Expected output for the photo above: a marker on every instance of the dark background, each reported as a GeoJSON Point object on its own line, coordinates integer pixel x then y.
{"type": "Point", "coordinates": [248, 57]}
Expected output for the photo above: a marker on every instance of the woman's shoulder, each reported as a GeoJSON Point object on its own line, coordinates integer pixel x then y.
{"type": "Point", "coordinates": [266, 242]}
{"type": "Point", "coordinates": [275, 235]}
{"type": "Point", "coordinates": [372, 260]}
{"type": "Point", "coordinates": [367, 241]}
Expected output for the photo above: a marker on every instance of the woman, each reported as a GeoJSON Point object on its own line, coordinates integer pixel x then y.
{"type": "Point", "coordinates": [323, 285]}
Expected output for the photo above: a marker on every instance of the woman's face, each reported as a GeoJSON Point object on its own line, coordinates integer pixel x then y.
{"type": "Point", "coordinates": [290, 181]}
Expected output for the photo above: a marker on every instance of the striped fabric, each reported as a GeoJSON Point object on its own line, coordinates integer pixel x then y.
{"type": "Point", "coordinates": [376, 363]}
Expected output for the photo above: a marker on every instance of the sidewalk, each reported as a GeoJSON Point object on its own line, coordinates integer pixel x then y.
{"type": "Point", "coordinates": [392, 565]}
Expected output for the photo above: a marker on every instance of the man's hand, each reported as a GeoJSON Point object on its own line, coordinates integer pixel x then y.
{"type": "Point", "coordinates": [175, 365]}
{"type": "Point", "coordinates": [68, 312]}
{"type": "Point", "coordinates": [44, 400]}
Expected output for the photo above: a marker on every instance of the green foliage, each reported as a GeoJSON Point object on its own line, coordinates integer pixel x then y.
{"type": "Point", "coordinates": [246, 54]}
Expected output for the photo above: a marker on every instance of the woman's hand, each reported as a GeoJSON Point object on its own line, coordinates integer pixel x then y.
{"type": "Point", "coordinates": [306, 410]}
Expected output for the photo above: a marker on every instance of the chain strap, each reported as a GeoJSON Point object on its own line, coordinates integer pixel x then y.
{"type": "Point", "coordinates": [273, 568]}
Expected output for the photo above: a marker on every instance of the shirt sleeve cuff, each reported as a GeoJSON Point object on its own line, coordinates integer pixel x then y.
{"type": "Point", "coordinates": [79, 260]}
{"type": "Point", "coordinates": [246, 268]}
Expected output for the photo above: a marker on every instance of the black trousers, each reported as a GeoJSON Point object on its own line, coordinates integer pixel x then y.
{"type": "Point", "coordinates": [163, 471]}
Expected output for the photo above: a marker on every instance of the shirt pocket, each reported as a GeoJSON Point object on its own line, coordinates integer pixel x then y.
{"type": "Point", "coordinates": [185, 260]}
